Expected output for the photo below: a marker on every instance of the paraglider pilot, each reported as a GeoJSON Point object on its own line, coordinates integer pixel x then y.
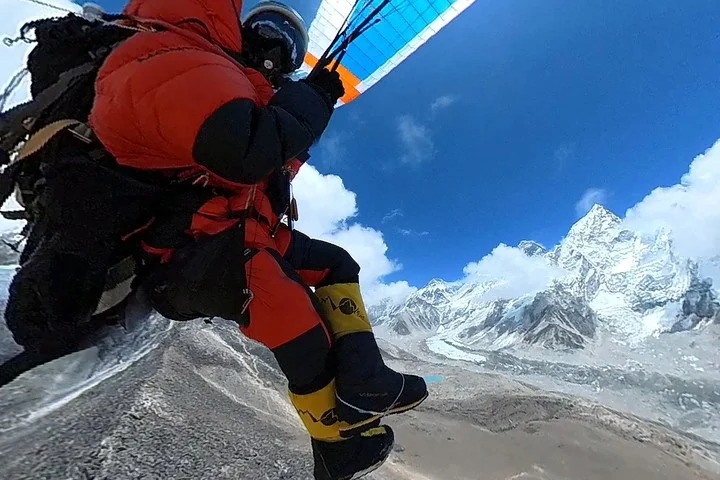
{"type": "Point", "coordinates": [206, 98]}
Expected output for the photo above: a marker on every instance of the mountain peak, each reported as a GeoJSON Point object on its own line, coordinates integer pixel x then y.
{"type": "Point", "coordinates": [598, 209]}
{"type": "Point", "coordinates": [531, 248]}
{"type": "Point", "coordinates": [436, 283]}
{"type": "Point", "coordinates": [597, 220]}
{"type": "Point", "coordinates": [601, 212]}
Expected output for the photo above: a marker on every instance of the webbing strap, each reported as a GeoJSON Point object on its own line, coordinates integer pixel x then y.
{"type": "Point", "coordinates": [19, 121]}
{"type": "Point", "coordinates": [41, 138]}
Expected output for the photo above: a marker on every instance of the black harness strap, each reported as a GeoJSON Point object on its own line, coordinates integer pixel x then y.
{"type": "Point", "coordinates": [19, 121]}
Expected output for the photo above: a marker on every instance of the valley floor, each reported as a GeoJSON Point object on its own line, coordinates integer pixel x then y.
{"type": "Point", "coordinates": [436, 447]}
{"type": "Point", "coordinates": [204, 403]}
{"type": "Point", "coordinates": [507, 432]}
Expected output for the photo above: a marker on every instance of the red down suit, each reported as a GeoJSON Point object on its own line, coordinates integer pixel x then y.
{"type": "Point", "coordinates": [175, 100]}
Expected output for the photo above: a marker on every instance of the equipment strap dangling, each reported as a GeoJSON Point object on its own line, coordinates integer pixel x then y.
{"type": "Point", "coordinates": [19, 121]}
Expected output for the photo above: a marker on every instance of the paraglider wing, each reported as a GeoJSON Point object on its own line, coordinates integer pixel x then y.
{"type": "Point", "coordinates": [398, 29]}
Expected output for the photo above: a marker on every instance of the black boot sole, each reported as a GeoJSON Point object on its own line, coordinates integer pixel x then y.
{"type": "Point", "coordinates": [359, 420]}
{"type": "Point", "coordinates": [323, 472]}
{"type": "Point", "coordinates": [385, 453]}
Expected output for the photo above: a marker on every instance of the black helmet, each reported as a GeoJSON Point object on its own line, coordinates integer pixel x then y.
{"type": "Point", "coordinates": [275, 39]}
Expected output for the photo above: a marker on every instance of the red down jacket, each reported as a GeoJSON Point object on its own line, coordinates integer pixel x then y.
{"type": "Point", "coordinates": [174, 99]}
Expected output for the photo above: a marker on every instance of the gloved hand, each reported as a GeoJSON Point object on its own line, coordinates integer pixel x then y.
{"type": "Point", "coordinates": [328, 84]}
{"type": "Point", "coordinates": [292, 166]}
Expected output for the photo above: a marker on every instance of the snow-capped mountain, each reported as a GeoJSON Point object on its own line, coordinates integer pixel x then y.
{"type": "Point", "coordinates": [422, 311]}
{"type": "Point", "coordinates": [532, 248]}
{"type": "Point", "coordinates": [610, 279]}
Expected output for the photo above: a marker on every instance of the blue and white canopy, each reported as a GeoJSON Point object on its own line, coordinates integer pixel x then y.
{"type": "Point", "coordinates": [403, 26]}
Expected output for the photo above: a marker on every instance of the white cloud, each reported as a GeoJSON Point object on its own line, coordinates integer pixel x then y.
{"type": "Point", "coordinates": [590, 198]}
{"type": "Point", "coordinates": [689, 210]}
{"type": "Point", "coordinates": [416, 140]}
{"type": "Point", "coordinates": [325, 209]}
{"type": "Point", "coordinates": [395, 292]}
{"type": "Point", "coordinates": [409, 232]}
{"type": "Point", "coordinates": [514, 272]}
{"type": "Point", "coordinates": [442, 102]}
{"type": "Point", "coordinates": [324, 204]}
{"type": "Point", "coordinates": [394, 213]}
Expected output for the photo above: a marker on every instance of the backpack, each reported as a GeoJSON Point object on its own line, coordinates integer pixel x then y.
{"type": "Point", "coordinates": [78, 264]}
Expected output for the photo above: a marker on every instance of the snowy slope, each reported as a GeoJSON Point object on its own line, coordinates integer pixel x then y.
{"type": "Point", "coordinates": [613, 281]}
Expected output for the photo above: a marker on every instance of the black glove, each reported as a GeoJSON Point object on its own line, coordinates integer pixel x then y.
{"type": "Point", "coordinates": [328, 84]}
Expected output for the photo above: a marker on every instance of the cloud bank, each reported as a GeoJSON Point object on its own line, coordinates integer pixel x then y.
{"type": "Point", "coordinates": [326, 209]}
{"type": "Point", "coordinates": [689, 210]}
{"type": "Point", "coordinates": [515, 273]}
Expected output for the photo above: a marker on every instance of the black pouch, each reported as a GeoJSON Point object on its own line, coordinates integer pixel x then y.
{"type": "Point", "coordinates": [204, 279]}
{"type": "Point", "coordinates": [53, 295]}
{"type": "Point", "coordinates": [81, 209]}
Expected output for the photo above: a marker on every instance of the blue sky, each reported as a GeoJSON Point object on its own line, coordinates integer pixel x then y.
{"type": "Point", "coordinates": [537, 102]}
{"type": "Point", "coordinates": [554, 97]}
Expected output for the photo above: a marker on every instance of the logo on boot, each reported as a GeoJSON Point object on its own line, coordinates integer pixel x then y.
{"type": "Point", "coordinates": [347, 306]}
{"type": "Point", "coordinates": [328, 418]}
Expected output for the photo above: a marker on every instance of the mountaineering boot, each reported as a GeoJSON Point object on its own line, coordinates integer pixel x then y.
{"type": "Point", "coordinates": [343, 460]}
{"type": "Point", "coordinates": [335, 457]}
{"type": "Point", "coordinates": [367, 389]}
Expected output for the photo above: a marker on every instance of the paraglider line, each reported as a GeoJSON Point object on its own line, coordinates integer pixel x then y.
{"type": "Point", "coordinates": [14, 83]}
{"type": "Point", "coordinates": [331, 53]}
{"type": "Point", "coordinates": [393, 36]}
{"type": "Point", "coordinates": [323, 60]}
{"type": "Point", "coordinates": [355, 35]}
{"type": "Point", "coordinates": [50, 5]}
{"type": "Point", "coordinates": [367, 23]}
